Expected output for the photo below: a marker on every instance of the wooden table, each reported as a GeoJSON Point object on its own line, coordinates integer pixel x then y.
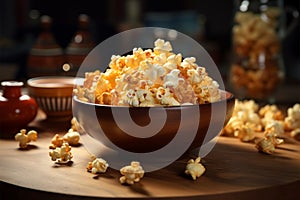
{"type": "Point", "coordinates": [234, 170]}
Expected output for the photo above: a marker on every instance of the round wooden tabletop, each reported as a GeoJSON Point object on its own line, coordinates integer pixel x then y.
{"type": "Point", "coordinates": [234, 170]}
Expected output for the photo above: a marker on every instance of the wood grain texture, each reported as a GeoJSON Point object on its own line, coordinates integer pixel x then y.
{"type": "Point", "coordinates": [234, 170]}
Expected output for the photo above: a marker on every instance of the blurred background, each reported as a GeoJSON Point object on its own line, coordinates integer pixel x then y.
{"type": "Point", "coordinates": [207, 21]}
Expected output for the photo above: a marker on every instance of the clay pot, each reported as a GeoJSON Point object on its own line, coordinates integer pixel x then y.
{"type": "Point", "coordinates": [17, 110]}
{"type": "Point", "coordinates": [79, 47]}
{"type": "Point", "coordinates": [46, 57]}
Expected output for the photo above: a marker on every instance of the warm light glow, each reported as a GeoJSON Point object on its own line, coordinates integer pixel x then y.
{"type": "Point", "coordinates": [66, 67]}
{"type": "Point", "coordinates": [158, 32]}
{"type": "Point", "coordinates": [78, 38]}
{"type": "Point", "coordinates": [244, 5]}
{"type": "Point", "coordinates": [172, 34]}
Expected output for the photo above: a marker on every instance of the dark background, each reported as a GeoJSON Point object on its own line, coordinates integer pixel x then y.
{"type": "Point", "coordinates": [208, 21]}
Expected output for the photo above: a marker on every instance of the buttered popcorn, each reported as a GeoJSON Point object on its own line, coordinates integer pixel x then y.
{"type": "Point", "coordinates": [148, 78]}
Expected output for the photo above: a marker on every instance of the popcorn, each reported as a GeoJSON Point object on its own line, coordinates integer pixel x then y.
{"type": "Point", "coordinates": [269, 113]}
{"type": "Point", "coordinates": [61, 154]}
{"type": "Point", "coordinates": [245, 133]}
{"type": "Point", "coordinates": [244, 121]}
{"type": "Point", "coordinates": [161, 46]}
{"type": "Point", "coordinates": [272, 110]}
{"type": "Point", "coordinates": [24, 138]}
{"type": "Point", "coordinates": [256, 72]}
{"type": "Point", "coordinates": [132, 173]}
{"type": "Point", "coordinates": [97, 165]}
{"type": "Point", "coordinates": [56, 141]}
{"type": "Point", "coordinates": [292, 121]}
{"type": "Point", "coordinates": [150, 78]}
{"type": "Point", "coordinates": [86, 93]}
{"type": "Point", "coordinates": [74, 124]}
{"type": "Point", "coordinates": [165, 97]}
{"type": "Point", "coordinates": [272, 135]}
{"type": "Point", "coordinates": [194, 168]}
{"type": "Point", "coordinates": [72, 137]}
{"type": "Point", "coordinates": [275, 127]}
{"type": "Point", "coordinates": [266, 146]}
{"type": "Point", "coordinates": [172, 79]}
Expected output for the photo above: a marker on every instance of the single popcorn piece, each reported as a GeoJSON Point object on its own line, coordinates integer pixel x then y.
{"type": "Point", "coordinates": [24, 138]}
{"type": "Point", "coordinates": [172, 79]}
{"type": "Point", "coordinates": [272, 136]}
{"type": "Point", "coordinates": [194, 168]}
{"type": "Point", "coordinates": [97, 165]}
{"type": "Point", "coordinates": [56, 141]}
{"type": "Point", "coordinates": [72, 137]}
{"type": "Point", "coordinates": [271, 140]}
{"type": "Point", "coordinates": [132, 173]}
{"type": "Point", "coordinates": [61, 154]}
{"type": "Point", "coordinates": [161, 46]}
{"type": "Point", "coordinates": [266, 146]}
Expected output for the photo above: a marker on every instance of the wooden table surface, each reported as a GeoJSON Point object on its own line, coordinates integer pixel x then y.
{"type": "Point", "coordinates": [234, 170]}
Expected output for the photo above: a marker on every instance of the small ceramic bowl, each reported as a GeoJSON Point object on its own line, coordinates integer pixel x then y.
{"type": "Point", "coordinates": [107, 125]}
{"type": "Point", "coordinates": [53, 95]}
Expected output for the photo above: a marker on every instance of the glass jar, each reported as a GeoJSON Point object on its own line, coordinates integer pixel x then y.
{"type": "Point", "coordinates": [257, 67]}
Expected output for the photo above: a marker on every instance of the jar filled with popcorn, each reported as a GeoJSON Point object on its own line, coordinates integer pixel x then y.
{"type": "Point", "coordinates": [257, 66]}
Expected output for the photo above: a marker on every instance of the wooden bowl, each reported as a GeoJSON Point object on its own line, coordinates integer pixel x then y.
{"type": "Point", "coordinates": [106, 123]}
{"type": "Point", "coordinates": [53, 95]}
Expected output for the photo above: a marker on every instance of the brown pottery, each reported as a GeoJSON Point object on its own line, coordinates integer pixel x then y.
{"type": "Point", "coordinates": [17, 110]}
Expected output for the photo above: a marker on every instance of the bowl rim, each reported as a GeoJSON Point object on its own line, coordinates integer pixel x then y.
{"type": "Point", "coordinates": [33, 82]}
{"type": "Point", "coordinates": [228, 97]}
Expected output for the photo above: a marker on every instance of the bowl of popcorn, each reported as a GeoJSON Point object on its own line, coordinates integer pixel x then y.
{"type": "Point", "coordinates": [53, 95]}
{"type": "Point", "coordinates": [145, 99]}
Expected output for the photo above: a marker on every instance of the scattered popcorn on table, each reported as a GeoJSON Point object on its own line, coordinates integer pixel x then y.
{"type": "Point", "coordinates": [194, 168]}
{"type": "Point", "coordinates": [72, 137]}
{"type": "Point", "coordinates": [269, 114]}
{"type": "Point", "coordinates": [61, 154]}
{"type": "Point", "coordinates": [272, 111]}
{"type": "Point", "coordinates": [97, 165]}
{"type": "Point", "coordinates": [150, 78]}
{"type": "Point", "coordinates": [132, 173]}
{"type": "Point", "coordinates": [244, 121]}
{"type": "Point", "coordinates": [24, 138]}
{"type": "Point", "coordinates": [249, 120]}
